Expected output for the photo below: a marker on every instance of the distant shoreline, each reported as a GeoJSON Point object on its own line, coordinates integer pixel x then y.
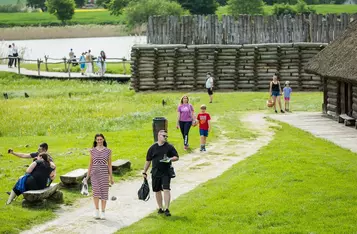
{"type": "Point", "coordinates": [76, 31]}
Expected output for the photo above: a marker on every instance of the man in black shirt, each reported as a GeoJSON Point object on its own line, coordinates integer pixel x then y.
{"type": "Point", "coordinates": [43, 148]}
{"type": "Point", "coordinates": [161, 154]}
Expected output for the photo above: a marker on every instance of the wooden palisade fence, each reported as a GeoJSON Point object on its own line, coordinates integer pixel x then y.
{"type": "Point", "coordinates": [235, 67]}
{"type": "Point", "coordinates": [246, 29]}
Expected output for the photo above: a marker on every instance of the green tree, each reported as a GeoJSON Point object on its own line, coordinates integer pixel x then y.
{"type": "Point", "coordinates": [36, 4]}
{"type": "Point", "coordinates": [222, 2]}
{"type": "Point", "coordinates": [253, 7]}
{"type": "Point", "coordinates": [102, 3]}
{"type": "Point", "coordinates": [199, 7]}
{"type": "Point", "coordinates": [116, 6]}
{"type": "Point", "coordinates": [138, 12]}
{"type": "Point", "coordinates": [80, 3]}
{"type": "Point", "coordinates": [62, 9]}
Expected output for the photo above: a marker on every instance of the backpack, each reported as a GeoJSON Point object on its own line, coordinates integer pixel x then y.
{"type": "Point", "coordinates": [144, 191]}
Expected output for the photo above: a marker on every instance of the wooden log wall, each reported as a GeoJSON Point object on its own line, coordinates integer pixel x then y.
{"type": "Point", "coordinates": [247, 29]}
{"type": "Point", "coordinates": [354, 101]}
{"type": "Point", "coordinates": [332, 98]}
{"type": "Point", "coordinates": [234, 67]}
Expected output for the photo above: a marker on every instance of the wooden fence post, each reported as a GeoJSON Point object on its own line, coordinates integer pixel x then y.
{"type": "Point", "coordinates": [38, 67]}
{"type": "Point", "coordinates": [69, 68]}
{"type": "Point", "coordinates": [300, 68]}
{"type": "Point", "coordinates": [237, 62]}
{"type": "Point", "coordinates": [135, 69]}
{"type": "Point", "coordinates": [65, 63]}
{"type": "Point", "coordinates": [215, 69]}
{"type": "Point", "coordinates": [46, 57]}
{"type": "Point", "coordinates": [156, 67]}
{"type": "Point", "coordinates": [279, 55]}
{"type": "Point", "coordinates": [176, 55]}
{"type": "Point", "coordinates": [124, 67]}
{"type": "Point", "coordinates": [255, 68]}
{"type": "Point", "coordinates": [195, 59]}
{"type": "Point", "coordinates": [18, 65]}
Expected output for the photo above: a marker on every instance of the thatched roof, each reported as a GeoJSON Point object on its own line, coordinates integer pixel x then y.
{"type": "Point", "coordinates": [339, 59]}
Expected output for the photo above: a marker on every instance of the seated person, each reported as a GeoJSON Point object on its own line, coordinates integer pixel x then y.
{"type": "Point", "coordinates": [43, 148]}
{"type": "Point", "coordinates": [35, 178]}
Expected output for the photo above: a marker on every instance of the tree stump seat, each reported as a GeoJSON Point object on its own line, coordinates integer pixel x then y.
{"type": "Point", "coordinates": [347, 120]}
{"type": "Point", "coordinates": [74, 177]}
{"type": "Point", "coordinates": [120, 164]}
{"type": "Point", "coordinates": [39, 195]}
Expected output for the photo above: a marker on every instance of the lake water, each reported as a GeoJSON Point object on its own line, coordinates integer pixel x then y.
{"type": "Point", "coordinates": [114, 47]}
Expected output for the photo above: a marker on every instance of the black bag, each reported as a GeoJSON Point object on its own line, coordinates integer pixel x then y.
{"type": "Point", "coordinates": [172, 173]}
{"type": "Point", "coordinates": [144, 191]}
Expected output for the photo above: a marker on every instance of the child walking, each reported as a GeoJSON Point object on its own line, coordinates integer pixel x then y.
{"type": "Point", "coordinates": [204, 125]}
{"type": "Point", "coordinates": [287, 93]}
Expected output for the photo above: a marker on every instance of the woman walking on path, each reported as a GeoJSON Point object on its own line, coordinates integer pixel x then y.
{"type": "Point", "coordinates": [275, 92]}
{"type": "Point", "coordinates": [185, 116]}
{"type": "Point", "coordinates": [100, 172]}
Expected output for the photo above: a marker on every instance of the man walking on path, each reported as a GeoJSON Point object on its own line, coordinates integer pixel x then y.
{"type": "Point", "coordinates": [209, 86]}
{"type": "Point", "coordinates": [161, 154]}
{"type": "Point", "coordinates": [15, 54]}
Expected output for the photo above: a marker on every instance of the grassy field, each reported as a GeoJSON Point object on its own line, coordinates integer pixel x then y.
{"type": "Point", "coordinates": [113, 68]}
{"type": "Point", "coordinates": [46, 19]}
{"type": "Point", "coordinates": [125, 117]}
{"type": "Point", "coordinates": [296, 184]}
{"type": "Point", "coordinates": [320, 9]}
{"type": "Point", "coordinates": [8, 2]}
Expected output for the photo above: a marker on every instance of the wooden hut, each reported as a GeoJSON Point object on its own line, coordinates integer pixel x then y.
{"type": "Point", "coordinates": [337, 67]}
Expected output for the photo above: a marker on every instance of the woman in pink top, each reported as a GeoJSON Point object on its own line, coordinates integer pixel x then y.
{"type": "Point", "coordinates": [185, 116]}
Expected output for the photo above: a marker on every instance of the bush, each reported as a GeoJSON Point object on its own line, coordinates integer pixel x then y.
{"type": "Point", "coordinates": [283, 9]}
{"type": "Point", "coordinates": [253, 7]}
{"type": "Point", "coordinates": [302, 8]}
{"type": "Point", "coordinates": [138, 12]}
{"type": "Point", "coordinates": [11, 8]}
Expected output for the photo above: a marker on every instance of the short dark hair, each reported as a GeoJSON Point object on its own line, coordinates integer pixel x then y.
{"type": "Point", "coordinates": [209, 73]}
{"type": "Point", "coordinates": [44, 145]}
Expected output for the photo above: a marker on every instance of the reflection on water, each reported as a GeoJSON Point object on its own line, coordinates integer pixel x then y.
{"type": "Point", "coordinates": [114, 47]}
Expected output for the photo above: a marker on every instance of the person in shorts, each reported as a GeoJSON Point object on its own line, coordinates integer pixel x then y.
{"type": "Point", "coordinates": [275, 92]}
{"type": "Point", "coordinates": [209, 86]}
{"type": "Point", "coordinates": [287, 94]}
{"type": "Point", "coordinates": [204, 120]}
{"type": "Point", "coordinates": [161, 154]}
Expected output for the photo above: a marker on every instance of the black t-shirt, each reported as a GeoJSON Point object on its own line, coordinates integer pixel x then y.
{"type": "Point", "coordinates": [156, 153]}
{"type": "Point", "coordinates": [41, 173]}
{"type": "Point", "coordinates": [34, 155]}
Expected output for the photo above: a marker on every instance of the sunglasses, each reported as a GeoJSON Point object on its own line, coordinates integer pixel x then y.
{"type": "Point", "coordinates": [166, 136]}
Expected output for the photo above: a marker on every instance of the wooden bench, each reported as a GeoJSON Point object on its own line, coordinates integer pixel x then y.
{"type": "Point", "coordinates": [120, 164]}
{"type": "Point", "coordinates": [347, 120]}
{"type": "Point", "coordinates": [39, 195]}
{"type": "Point", "coordinates": [74, 177]}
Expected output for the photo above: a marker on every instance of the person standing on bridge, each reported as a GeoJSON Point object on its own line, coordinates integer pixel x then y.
{"type": "Point", "coordinates": [10, 55]}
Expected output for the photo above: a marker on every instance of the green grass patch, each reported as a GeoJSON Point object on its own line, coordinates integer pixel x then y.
{"type": "Point", "coordinates": [11, 2]}
{"type": "Point", "coordinates": [112, 68]}
{"type": "Point", "coordinates": [68, 125]}
{"type": "Point", "coordinates": [296, 184]}
{"type": "Point", "coordinates": [46, 19]}
{"type": "Point", "coordinates": [320, 9]}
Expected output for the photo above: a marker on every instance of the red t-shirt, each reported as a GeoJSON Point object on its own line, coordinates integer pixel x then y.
{"type": "Point", "coordinates": [203, 120]}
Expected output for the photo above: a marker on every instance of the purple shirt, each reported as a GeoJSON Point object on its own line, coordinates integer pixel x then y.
{"type": "Point", "coordinates": [186, 111]}
{"type": "Point", "coordinates": [287, 91]}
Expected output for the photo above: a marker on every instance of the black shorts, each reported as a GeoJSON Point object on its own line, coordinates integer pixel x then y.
{"type": "Point", "coordinates": [161, 183]}
{"type": "Point", "coordinates": [210, 91]}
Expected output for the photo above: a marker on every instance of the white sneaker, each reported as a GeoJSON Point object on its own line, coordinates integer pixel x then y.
{"type": "Point", "coordinates": [96, 214]}
{"type": "Point", "coordinates": [102, 216]}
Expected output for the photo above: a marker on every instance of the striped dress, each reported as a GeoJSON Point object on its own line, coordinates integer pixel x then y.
{"type": "Point", "coordinates": [100, 172]}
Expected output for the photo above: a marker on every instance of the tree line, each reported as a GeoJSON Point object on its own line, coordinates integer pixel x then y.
{"type": "Point", "coordinates": [136, 12]}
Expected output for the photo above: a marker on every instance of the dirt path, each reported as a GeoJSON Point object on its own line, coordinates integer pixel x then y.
{"type": "Point", "coordinates": [192, 170]}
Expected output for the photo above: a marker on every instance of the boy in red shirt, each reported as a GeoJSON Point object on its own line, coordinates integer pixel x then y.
{"type": "Point", "coordinates": [205, 125]}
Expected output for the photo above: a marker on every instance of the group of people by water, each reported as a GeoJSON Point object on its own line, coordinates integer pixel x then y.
{"type": "Point", "coordinates": [86, 61]}
{"type": "Point", "coordinates": [13, 54]}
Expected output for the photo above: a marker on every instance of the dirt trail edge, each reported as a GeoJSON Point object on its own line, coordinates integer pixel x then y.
{"type": "Point", "coordinates": [191, 170]}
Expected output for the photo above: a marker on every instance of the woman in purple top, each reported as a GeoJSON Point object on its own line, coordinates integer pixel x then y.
{"type": "Point", "coordinates": [185, 116]}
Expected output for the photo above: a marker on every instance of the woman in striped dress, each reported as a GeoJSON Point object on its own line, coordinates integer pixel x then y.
{"type": "Point", "coordinates": [100, 171]}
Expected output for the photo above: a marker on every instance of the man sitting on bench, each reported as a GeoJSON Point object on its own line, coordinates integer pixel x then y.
{"type": "Point", "coordinates": [36, 177]}
{"type": "Point", "coordinates": [43, 148]}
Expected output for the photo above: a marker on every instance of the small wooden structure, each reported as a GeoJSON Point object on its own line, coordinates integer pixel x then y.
{"type": "Point", "coordinates": [74, 177]}
{"type": "Point", "coordinates": [336, 65]}
{"type": "Point", "coordinates": [120, 164]}
{"type": "Point", "coordinates": [38, 195]}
